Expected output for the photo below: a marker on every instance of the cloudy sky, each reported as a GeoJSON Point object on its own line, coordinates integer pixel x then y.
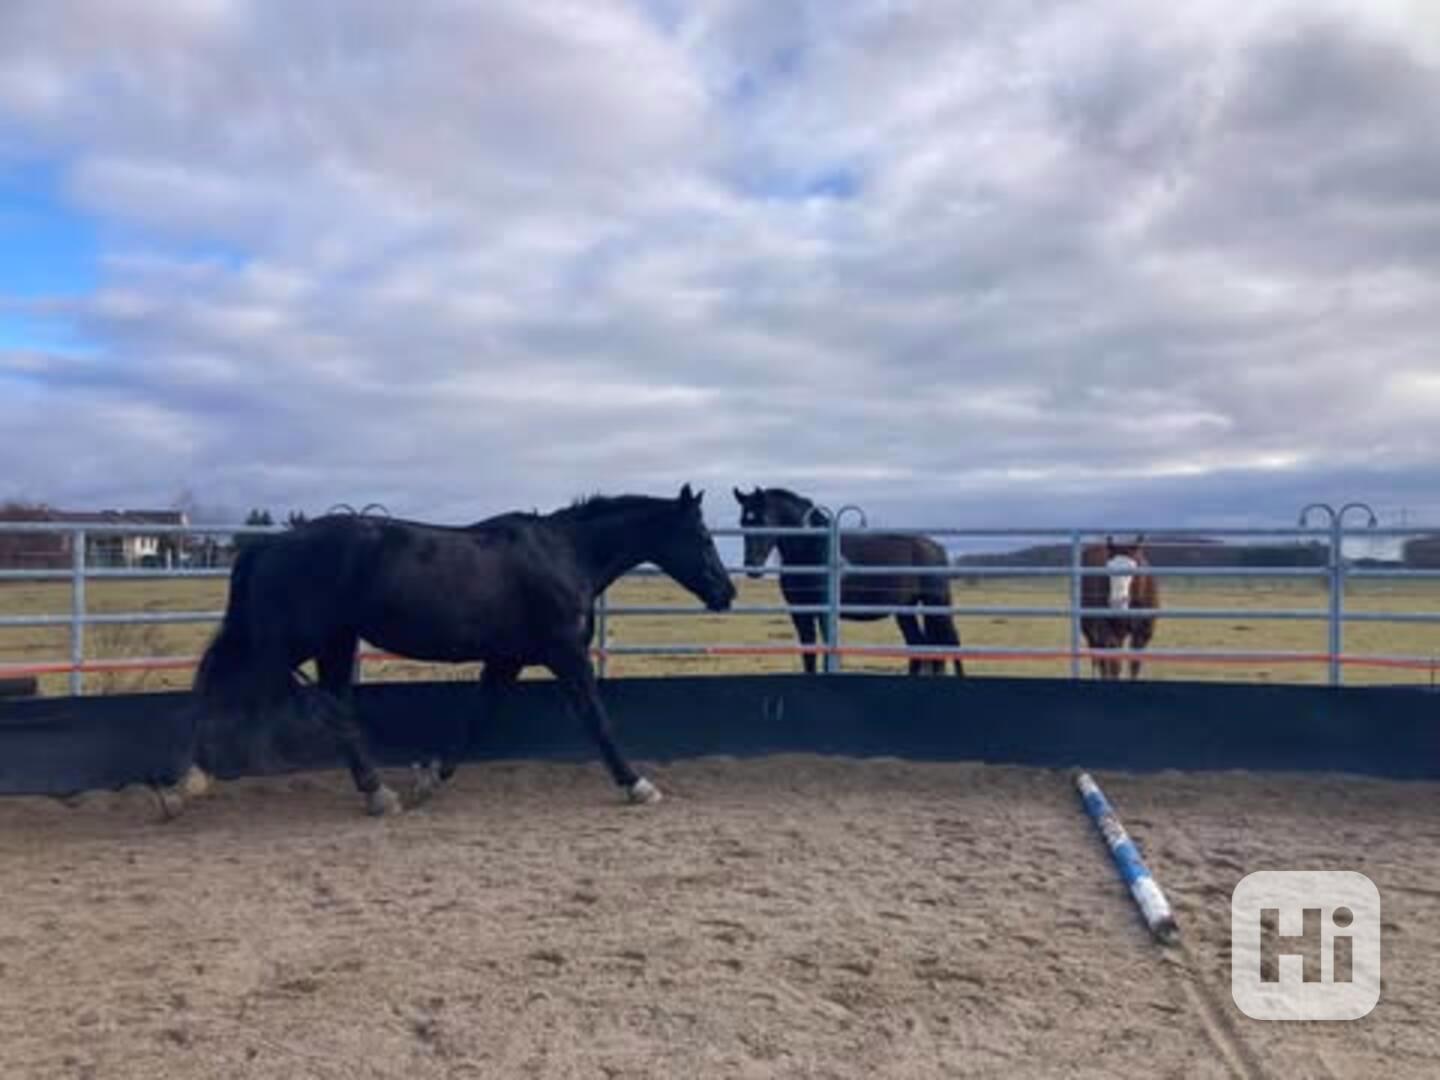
{"type": "Point", "coordinates": [974, 263]}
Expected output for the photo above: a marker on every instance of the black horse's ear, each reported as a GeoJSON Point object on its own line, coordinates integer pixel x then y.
{"type": "Point", "coordinates": [686, 495]}
{"type": "Point", "coordinates": [739, 496]}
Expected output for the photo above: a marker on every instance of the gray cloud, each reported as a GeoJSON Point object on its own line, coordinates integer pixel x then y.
{"type": "Point", "coordinates": [1029, 262]}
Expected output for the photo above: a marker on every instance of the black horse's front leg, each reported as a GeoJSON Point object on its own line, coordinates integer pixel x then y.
{"type": "Point", "coordinates": [910, 631]}
{"type": "Point", "coordinates": [805, 631]}
{"type": "Point", "coordinates": [577, 680]}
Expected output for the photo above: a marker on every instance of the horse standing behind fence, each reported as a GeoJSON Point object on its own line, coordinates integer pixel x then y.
{"type": "Point", "coordinates": [1127, 590]}
{"type": "Point", "coordinates": [781, 508]}
{"type": "Point", "coordinates": [513, 590]}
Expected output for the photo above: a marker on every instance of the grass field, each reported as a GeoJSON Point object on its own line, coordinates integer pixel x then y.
{"type": "Point", "coordinates": [39, 645]}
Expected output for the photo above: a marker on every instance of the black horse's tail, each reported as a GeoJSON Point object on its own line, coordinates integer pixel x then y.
{"type": "Point", "coordinates": [938, 629]}
{"type": "Point", "coordinates": [931, 553]}
{"type": "Point", "coordinates": [236, 672]}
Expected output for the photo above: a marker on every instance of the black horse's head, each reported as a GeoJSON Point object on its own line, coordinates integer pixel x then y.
{"type": "Point", "coordinates": [773, 507]}
{"type": "Point", "coordinates": [686, 552]}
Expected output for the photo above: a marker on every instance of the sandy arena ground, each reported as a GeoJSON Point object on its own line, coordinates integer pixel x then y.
{"type": "Point", "coordinates": [789, 917]}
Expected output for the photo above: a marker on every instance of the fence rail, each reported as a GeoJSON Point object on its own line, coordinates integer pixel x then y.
{"type": "Point", "coordinates": [1335, 572]}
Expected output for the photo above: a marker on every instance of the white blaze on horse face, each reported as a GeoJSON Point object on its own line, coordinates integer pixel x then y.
{"type": "Point", "coordinates": [1120, 583]}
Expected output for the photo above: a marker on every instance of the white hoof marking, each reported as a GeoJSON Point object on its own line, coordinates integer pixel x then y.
{"type": "Point", "coordinates": [382, 801]}
{"type": "Point", "coordinates": [425, 781]}
{"type": "Point", "coordinates": [171, 800]}
{"type": "Point", "coordinates": [195, 783]}
{"type": "Point", "coordinates": [643, 791]}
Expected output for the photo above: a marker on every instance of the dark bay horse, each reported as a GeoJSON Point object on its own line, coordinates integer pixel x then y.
{"type": "Point", "coordinates": [513, 590]}
{"type": "Point", "coordinates": [1130, 589]}
{"type": "Point", "coordinates": [782, 508]}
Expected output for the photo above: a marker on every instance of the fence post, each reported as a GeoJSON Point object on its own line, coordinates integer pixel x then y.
{"type": "Point", "coordinates": [832, 616]}
{"type": "Point", "coordinates": [1333, 575]}
{"type": "Point", "coordinates": [1337, 588]}
{"type": "Point", "coordinates": [602, 633]}
{"type": "Point", "coordinates": [1075, 601]}
{"type": "Point", "coordinates": [77, 611]}
{"type": "Point", "coordinates": [1337, 598]}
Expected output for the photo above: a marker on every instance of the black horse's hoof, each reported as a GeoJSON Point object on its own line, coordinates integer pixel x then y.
{"type": "Point", "coordinates": [642, 792]}
{"type": "Point", "coordinates": [425, 782]}
{"type": "Point", "coordinates": [382, 802]}
{"type": "Point", "coordinates": [171, 801]}
{"type": "Point", "coordinates": [196, 783]}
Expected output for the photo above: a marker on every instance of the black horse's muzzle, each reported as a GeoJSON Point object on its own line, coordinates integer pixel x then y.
{"type": "Point", "coordinates": [757, 551]}
{"type": "Point", "coordinates": [721, 595]}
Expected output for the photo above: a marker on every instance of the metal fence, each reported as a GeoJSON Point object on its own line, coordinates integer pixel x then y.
{"type": "Point", "coordinates": [1336, 572]}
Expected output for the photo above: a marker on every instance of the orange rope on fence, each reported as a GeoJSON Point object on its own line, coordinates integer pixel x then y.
{"type": "Point", "coordinates": [137, 663]}
{"type": "Point", "coordinates": [886, 652]}
{"type": "Point", "coordinates": [177, 663]}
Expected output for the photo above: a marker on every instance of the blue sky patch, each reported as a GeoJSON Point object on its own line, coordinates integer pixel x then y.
{"type": "Point", "coordinates": [836, 184]}
{"type": "Point", "coordinates": [46, 247]}
{"type": "Point", "coordinates": [840, 183]}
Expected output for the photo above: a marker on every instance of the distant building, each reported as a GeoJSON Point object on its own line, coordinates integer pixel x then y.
{"type": "Point", "coordinates": [53, 550]}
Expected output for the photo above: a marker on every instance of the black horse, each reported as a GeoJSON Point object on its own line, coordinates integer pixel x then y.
{"type": "Point", "coordinates": [778, 507]}
{"type": "Point", "coordinates": [513, 590]}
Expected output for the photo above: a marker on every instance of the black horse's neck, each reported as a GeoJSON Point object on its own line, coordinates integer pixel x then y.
{"type": "Point", "coordinates": [799, 511]}
{"type": "Point", "coordinates": [611, 535]}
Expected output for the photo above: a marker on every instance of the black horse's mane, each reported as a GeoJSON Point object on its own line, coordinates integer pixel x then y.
{"type": "Point", "coordinates": [811, 514]}
{"type": "Point", "coordinates": [582, 508]}
{"type": "Point", "coordinates": [786, 493]}
{"type": "Point", "coordinates": [586, 507]}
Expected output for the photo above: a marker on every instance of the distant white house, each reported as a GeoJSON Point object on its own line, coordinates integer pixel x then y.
{"type": "Point", "coordinates": [52, 549]}
{"type": "Point", "coordinates": [134, 548]}
{"type": "Point", "coordinates": [32, 550]}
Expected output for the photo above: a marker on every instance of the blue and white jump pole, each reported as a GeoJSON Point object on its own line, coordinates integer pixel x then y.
{"type": "Point", "coordinates": [1152, 903]}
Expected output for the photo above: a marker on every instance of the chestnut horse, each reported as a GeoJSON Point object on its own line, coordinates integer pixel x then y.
{"type": "Point", "coordinates": [1120, 592]}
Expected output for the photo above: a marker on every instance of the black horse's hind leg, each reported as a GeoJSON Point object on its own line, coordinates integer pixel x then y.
{"type": "Point", "coordinates": [805, 631]}
{"type": "Point", "coordinates": [200, 765]}
{"type": "Point", "coordinates": [334, 702]}
{"type": "Point", "coordinates": [940, 631]}
{"type": "Point", "coordinates": [497, 677]}
{"type": "Point", "coordinates": [189, 778]}
{"type": "Point", "coordinates": [577, 680]}
{"type": "Point", "coordinates": [910, 630]}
